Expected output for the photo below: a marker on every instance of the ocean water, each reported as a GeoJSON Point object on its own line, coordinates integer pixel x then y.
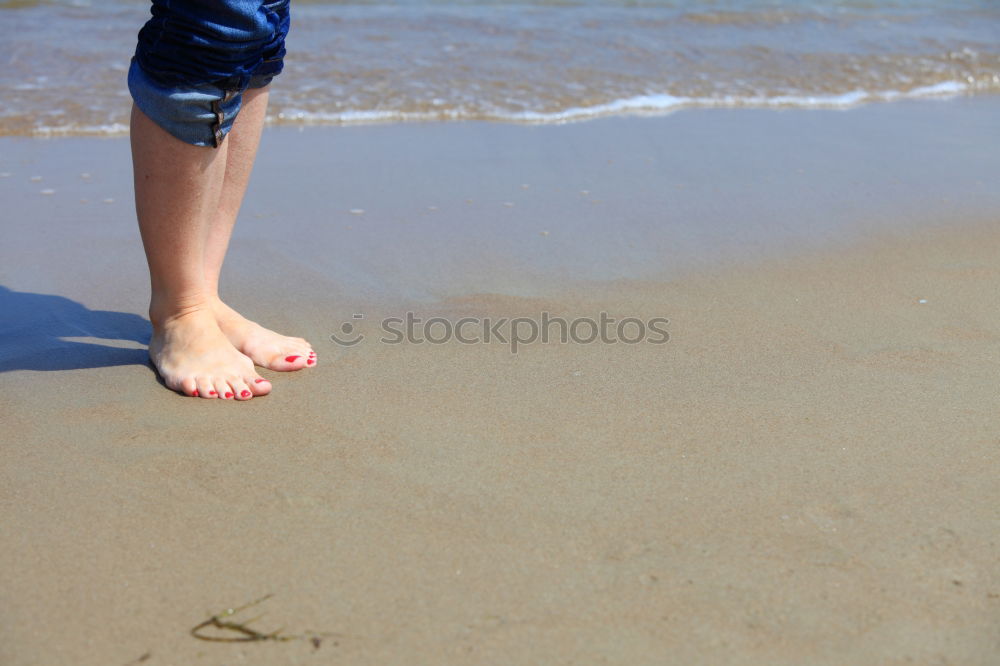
{"type": "Point", "coordinates": [536, 61]}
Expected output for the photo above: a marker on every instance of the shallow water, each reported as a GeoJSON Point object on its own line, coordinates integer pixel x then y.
{"type": "Point", "coordinates": [538, 61]}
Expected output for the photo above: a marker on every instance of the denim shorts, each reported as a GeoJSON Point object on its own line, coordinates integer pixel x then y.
{"type": "Point", "coordinates": [196, 58]}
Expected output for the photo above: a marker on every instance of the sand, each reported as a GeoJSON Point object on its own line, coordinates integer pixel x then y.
{"type": "Point", "coordinates": [806, 472]}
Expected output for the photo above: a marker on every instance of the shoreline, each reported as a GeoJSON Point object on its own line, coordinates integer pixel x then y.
{"type": "Point", "coordinates": [431, 210]}
{"type": "Point", "coordinates": [639, 106]}
{"type": "Point", "coordinates": [804, 473]}
{"type": "Point", "coordinates": [662, 106]}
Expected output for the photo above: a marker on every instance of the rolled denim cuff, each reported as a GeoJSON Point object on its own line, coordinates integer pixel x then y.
{"type": "Point", "coordinates": [200, 114]}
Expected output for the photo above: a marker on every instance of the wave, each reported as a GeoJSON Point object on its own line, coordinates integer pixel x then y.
{"type": "Point", "coordinates": [657, 104]}
{"type": "Point", "coordinates": [109, 129]}
{"type": "Point", "coordinates": [639, 105]}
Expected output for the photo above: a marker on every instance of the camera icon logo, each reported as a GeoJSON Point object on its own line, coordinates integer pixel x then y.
{"type": "Point", "coordinates": [348, 337]}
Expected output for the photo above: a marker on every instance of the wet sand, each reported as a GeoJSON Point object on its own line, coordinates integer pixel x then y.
{"type": "Point", "coordinates": [804, 473]}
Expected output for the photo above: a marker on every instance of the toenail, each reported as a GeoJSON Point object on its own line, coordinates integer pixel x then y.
{"type": "Point", "coordinates": [212, 393]}
{"type": "Point", "coordinates": [310, 361]}
{"type": "Point", "coordinates": [195, 394]}
{"type": "Point", "coordinates": [229, 394]}
{"type": "Point", "coordinates": [244, 394]}
{"type": "Point", "coordinates": [259, 380]}
{"type": "Point", "coordinates": [291, 359]}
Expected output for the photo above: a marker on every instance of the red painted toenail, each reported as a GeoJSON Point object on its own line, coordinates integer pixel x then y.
{"type": "Point", "coordinates": [245, 394]}
{"type": "Point", "coordinates": [195, 394]}
{"type": "Point", "coordinates": [228, 394]}
{"type": "Point", "coordinates": [212, 393]}
{"type": "Point", "coordinates": [259, 380]}
{"type": "Point", "coordinates": [291, 359]}
{"type": "Point", "coordinates": [310, 361]}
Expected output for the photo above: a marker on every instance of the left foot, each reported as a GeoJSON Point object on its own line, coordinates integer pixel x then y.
{"type": "Point", "coordinates": [265, 347]}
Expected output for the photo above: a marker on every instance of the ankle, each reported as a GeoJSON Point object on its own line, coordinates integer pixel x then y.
{"type": "Point", "coordinates": [222, 310]}
{"type": "Point", "coordinates": [165, 309]}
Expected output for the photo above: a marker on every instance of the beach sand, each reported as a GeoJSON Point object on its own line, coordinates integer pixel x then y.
{"type": "Point", "coordinates": [806, 472]}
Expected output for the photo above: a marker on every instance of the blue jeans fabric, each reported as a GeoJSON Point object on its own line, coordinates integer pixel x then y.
{"type": "Point", "coordinates": [196, 58]}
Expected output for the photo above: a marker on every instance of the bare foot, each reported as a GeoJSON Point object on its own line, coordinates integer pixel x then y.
{"type": "Point", "coordinates": [194, 357]}
{"type": "Point", "coordinates": [265, 347]}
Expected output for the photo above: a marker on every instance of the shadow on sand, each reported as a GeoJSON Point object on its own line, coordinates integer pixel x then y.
{"type": "Point", "coordinates": [34, 329]}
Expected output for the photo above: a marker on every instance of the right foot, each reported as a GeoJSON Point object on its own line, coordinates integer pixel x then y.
{"type": "Point", "coordinates": [194, 357]}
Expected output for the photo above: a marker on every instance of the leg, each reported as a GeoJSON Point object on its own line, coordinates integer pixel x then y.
{"type": "Point", "coordinates": [265, 347]}
{"type": "Point", "coordinates": [177, 191]}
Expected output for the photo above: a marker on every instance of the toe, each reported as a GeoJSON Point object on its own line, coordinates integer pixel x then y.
{"type": "Point", "coordinates": [205, 388]}
{"type": "Point", "coordinates": [240, 389]}
{"type": "Point", "coordinates": [224, 390]}
{"type": "Point", "coordinates": [287, 362]}
{"type": "Point", "coordinates": [311, 359]}
{"type": "Point", "coordinates": [259, 385]}
{"type": "Point", "coordinates": [188, 386]}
